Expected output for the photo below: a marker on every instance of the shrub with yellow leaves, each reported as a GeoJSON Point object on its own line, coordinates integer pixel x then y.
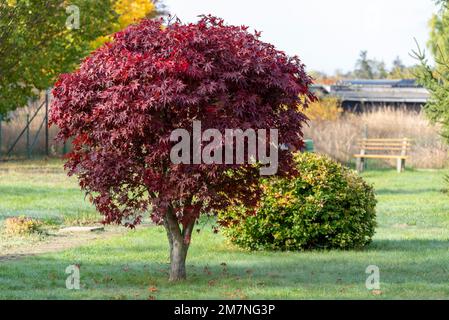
{"type": "Point", "coordinates": [22, 226]}
{"type": "Point", "coordinates": [326, 108]}
{"type": "Point", "coordinates": [327, 206]}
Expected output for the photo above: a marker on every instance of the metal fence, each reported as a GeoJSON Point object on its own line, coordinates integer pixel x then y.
{"type": "Point", "coordinates": [24, 133]}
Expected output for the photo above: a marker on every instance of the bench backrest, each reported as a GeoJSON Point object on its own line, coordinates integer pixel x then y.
{"type": "Point", "coordinates": [385, 146]}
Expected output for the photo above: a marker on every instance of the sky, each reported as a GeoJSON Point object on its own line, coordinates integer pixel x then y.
{"type": "Point", "coordinates": [327, 35]}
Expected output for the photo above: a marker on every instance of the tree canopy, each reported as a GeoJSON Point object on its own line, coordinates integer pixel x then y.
{"type": "Point", "coordinates": [368, 68]}
{"type": "Point", "coordinates": [436, 79]}
{"type": "Point", "coordinates": [128, 97]}
{"type": "Point", "coordinates": [439, 32]}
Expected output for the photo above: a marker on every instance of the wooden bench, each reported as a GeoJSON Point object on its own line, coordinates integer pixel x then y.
{"type": "Point", "coordinates": [383, 149]}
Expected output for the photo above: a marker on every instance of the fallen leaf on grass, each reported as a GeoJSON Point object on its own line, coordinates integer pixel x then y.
{"type": "Point", "coordinates": [152, 289]}
{"type": "Point", "coordinates": [376, 292]}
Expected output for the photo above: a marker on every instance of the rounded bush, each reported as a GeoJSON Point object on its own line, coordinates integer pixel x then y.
{"type": "Point", "coordinates": [327, 206]}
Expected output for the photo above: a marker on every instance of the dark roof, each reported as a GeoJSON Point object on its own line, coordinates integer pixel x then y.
{"type": "Point", "coordinates": [378, 91]}
{"type": "Point", "coordinates": [382, 83]}
{"type": "Point", "coordinates": [386, 95]}
{"type": "Point", "coordinates": [408, 83]}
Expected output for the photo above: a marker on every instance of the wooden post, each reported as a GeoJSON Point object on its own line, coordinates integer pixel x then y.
{"type": "Point", "coordinates": [401, 161]}
{"type": "Point", "coordinates": [399, 165]}
{"type": "Point", "coordinates": [403, 165]}
{"type": "Point", "coordinates": [360, 165]}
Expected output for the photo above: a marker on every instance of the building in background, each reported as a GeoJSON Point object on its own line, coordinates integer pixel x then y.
{"type": "Point", "coordinates": [364, 95]}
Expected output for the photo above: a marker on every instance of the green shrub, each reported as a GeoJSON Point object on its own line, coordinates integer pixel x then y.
{"type": "Point", "coordinates": [327, 206]}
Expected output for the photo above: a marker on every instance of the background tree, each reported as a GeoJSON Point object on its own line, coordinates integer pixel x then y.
{"type": "Point", "coordinates": [400, 71]}
{"type": "Point", "coordinates": [364, 67]}
{"type": "Point", "coordinates": [132, 11]}
{"type": "Point", "coordinates": [436, 79]}
{"type": "Point", "coordinates": [36, 46]}
{"type": "Point", "coordinates": [439, 32]}
{"type": "Point", "coordinates": [126, 99]}
{"type": "Point", "coordinates": [398, 64]}
{"type": "Point", "coordinates": [380, 69]}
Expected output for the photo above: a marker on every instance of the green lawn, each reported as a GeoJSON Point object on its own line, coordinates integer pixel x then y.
{"type": "Point", "coordinates": [40, 189]}
{"type": "Point", "coordinates": [411, 248]}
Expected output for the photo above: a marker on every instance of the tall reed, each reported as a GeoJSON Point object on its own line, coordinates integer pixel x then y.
{"type": "Point", "coordinates": [338, 138]}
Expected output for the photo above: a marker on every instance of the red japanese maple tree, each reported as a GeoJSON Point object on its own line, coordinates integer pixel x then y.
{"type": "Point", "coordinates": [126, 99]}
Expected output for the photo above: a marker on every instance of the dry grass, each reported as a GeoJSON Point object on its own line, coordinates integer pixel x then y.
{"type": "Point", "coordinates": [338, 138]}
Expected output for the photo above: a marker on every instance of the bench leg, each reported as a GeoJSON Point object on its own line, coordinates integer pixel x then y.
{"type": "Point", "coordinates": [400, 165]}
{"type": "Point", "coordinates": [360, 164]}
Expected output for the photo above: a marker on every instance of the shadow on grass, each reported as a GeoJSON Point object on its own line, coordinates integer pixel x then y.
{"type": "Point", "coordinates": [12, 257]}
{"type": "Point", "coordinates": [32, 191]}
{"type": "Point", "coordinates": [408, 245]}
{"type": "Point", "coordinates": [116, 270]}
{"type": "Point", "coordinates": [384, 191]}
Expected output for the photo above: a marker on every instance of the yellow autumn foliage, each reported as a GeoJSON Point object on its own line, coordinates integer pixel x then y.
{"type": "Point", "coordinates": [129, 11]}
{"type": "Point", "coordinates": [100, 41]}
{"type": "Point", "coordinates": [327, 108]}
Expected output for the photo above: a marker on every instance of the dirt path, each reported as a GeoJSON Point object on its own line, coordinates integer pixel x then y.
{"type": "Point", "coordinates": [57, 242]}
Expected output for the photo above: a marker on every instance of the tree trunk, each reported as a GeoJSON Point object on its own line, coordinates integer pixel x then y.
{"type": "Point", "coordinates": [179, 242]}
{"type": "Point", "coordinates": [178, 256]}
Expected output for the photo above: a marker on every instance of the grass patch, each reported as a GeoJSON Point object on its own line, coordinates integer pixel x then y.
{"type": "Point", "coordinates": [411, 248]}
{"type": "Point", "coordinates": [41, 192]}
